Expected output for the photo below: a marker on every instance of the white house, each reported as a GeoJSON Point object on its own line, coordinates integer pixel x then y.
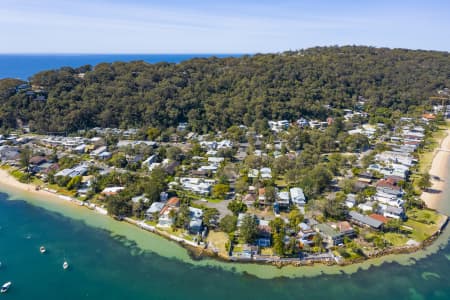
{"type": "Point", "coordinates": [266, 173]}
{"type": "Point", "coordinates": [297, 196]}
{"type": "Point", "coordinates": [283, 199]}
{"type": "Point", "coordinates": [278, 126]}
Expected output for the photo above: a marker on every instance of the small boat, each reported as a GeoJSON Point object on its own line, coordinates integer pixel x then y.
{"type": "Point", "coordinates": [42, 249]}
{"type": "Point", "coordinates": [6, 287]}
{"type": "Point", "coordinates": [65, 265]}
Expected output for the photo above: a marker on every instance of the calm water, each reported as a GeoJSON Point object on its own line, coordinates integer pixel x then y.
{"type": "Point", "coordinates": [110, 267]}
{"type": "Point", "coordinates": [23, 66]}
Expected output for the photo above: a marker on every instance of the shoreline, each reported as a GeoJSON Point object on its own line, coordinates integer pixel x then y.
{"type": "Point", "coordinates": [199, 255]}
{"type": "Point", "coordinates": [9, 180]}
{"type": "Point", "coordinates": [439, 173]}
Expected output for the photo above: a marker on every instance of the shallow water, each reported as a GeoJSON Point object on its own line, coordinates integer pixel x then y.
{"type": "Point", "coordinates": [107, 265]}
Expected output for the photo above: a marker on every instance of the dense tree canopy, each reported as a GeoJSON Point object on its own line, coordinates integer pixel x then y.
{"type": "Point", "coordinates": [213, 93]}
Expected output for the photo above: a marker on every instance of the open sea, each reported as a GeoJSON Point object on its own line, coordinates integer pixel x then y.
{"type": "Point", "coordinates": [113, 260]}
{"type": "Point", "coordinates": [22, 66]}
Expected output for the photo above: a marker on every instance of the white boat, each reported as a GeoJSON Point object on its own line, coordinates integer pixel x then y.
{"type": "Point", "coordinates": [42, 249]}
{"type": "Point", "coordinates": [6, 287]}
{"type": "Point", "coordinates": [65, 265]}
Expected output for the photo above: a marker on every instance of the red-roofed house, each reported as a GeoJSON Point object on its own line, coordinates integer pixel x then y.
{"type": "Point", "coordinates": [379, 218]}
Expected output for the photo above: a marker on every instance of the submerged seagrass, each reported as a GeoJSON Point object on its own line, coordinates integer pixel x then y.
{"type": "Point", "coordinates": [105, 265]}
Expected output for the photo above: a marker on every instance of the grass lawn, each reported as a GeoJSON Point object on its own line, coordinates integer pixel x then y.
{"type": "Point", "coordinates": [426, 158]}
{"type": "Point", "coordinates": [421, 231]}
{"type": "Point", "coordinates": [237, 248]}
{"type": "Point", "coordinates": [218, 240]}
{"type": "Point", "coordinates": [198, 197]}
{"type": "Point", "coordinates": [267, 251]}
{"type": "Point", "coordinates": [61, 190]}
{"type": "Point", "coordinates": [424, 216]}
{"type": "Point", "coordinates": [281, 183]}
{"type": "Point", "coordinates": [395, 239]}
{"type": "Point", "coordinates": [152, 223]}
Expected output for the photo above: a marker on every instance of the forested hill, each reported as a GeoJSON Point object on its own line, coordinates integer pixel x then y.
{"type": "Point", "coordinates": [214, 93]}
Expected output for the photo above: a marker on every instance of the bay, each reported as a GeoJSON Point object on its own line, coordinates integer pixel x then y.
{"type": "Point", "coordinates": [105, 265]}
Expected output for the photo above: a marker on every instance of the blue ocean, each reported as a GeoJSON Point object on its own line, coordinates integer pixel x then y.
{"type": "Point", "coordinates": [22, 66]}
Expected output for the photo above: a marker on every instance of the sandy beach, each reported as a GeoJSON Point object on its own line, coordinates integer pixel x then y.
{"type": "Point", "coordinates": [439, 175]}
{"type": "Point", "coordinates": [8, 180]}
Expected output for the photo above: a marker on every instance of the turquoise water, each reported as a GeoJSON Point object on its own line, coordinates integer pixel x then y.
{"type": "Point", "coordinates": [23, 66]}
{"type": "Point", "coordinates": [111, 267]}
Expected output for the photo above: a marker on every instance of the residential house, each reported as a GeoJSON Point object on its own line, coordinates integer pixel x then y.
{"type": "Point", "coordinates": [266, 173]}
{"type": "Point", "coordinates": [262, 196]}
{"type": "Point", "coordinates": [393, 212]}
{"type": "Point", "coordinates": [197, 185]}
{"type": "Point", "coordinates": [389, 186]}
{"type": "Point", "coordinates": [278, 126]}
{"type": "Point", "coordinates": [306, 234]}
{"type": "Point", "coordinates": [165, 219]}
{"type": "Point", "coordinates": [330, 235]}
{"type": "Point", "coordinates": [367, 206]}
{"type": "Point", "coordinates": [79, 170]}
{"type": "Point", "coordinates": [196, 222]}
{"type": "Point", "coordinates": [154, 209]}
{"type": "Point", "coordinates": [264, 233]}
{"type": "Point", "coordinates": [150, 160]}
{"type": "Point", "coordinates": [140, 198]}
{"type": "Point", "coordinates": [98, 151]}
{"type": "Point", "coordinates": [249, 199]}
{"type": "Point", "coordinates": [297, 196]}
{"type": "Point", "coordinates": [344, 228]}
{"type": "Point", "coordinates": [283, 199]}
{"type": "Point", "coordinates": [110, 191]}
{"type": "Point", "coordinates": [350, 200]}
{"type": "Point", "coordinates": [365, 221]}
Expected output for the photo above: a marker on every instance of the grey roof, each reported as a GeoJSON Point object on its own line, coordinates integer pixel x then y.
{"type": "Point", "coordinates": [155, 207]}
{"type": "Point", "coordinates": [393, 210]}
{"type": "Point", "coordinates": [365, 219]}
{"type": "Point", "coordinates": [327, 230]}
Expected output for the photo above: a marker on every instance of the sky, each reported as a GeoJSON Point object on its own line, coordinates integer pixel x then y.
{"type": "Point", "coordinates": [231, 26]}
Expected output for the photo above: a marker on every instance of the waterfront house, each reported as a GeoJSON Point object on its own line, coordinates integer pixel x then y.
{"type": "Point", "coordinates": [344, 228]}
{"type": "Point", "coordinates": [365, 221]}
{"type": "Point", "coordinates": [330, 235]}
{"type": "Point", "coordinates": [393, 212]}
{"type": "Point", "coordinates": [79, 170]}
{"type": "Point", "coordinates": [196, 222]}
{"type": "Point", "coordinates": [264, 234]}
{"type": "Point", "coordinates": [165, 219]}
{"type": "Point", "coordinates": [306, 234]}
{"type": "Point", "coordinates": [154, 209]}
{"type": "Point", "coordinates": [110, 191]}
